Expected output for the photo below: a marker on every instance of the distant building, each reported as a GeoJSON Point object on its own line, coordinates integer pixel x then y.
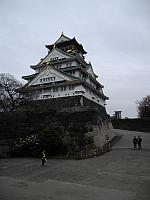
{"type": "Point", "coordinates": [117, 114]}
{"type": "Point", "coordinates": [63, 72]}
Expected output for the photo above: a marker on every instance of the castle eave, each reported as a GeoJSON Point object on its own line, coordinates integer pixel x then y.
{"type": "Point", "coordinates": [65, 43]}
{"type": "Point", "coordinates": [28, 77]}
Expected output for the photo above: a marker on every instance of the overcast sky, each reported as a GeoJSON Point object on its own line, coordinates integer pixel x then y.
{"type": "Point", "coordinates": [115, 33]}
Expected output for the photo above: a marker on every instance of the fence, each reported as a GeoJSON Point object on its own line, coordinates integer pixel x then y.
{"type": "Point", "coordinates": [83, 154]}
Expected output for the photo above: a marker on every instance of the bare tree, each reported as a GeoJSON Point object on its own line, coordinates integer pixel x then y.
{"type": "Point", "coordinates": [144, 107]}
{"type": "Point", "coordinates": [10, 98]}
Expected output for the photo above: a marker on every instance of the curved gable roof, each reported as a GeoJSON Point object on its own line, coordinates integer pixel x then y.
{"type": "Point", "coordinates": [62, 38]}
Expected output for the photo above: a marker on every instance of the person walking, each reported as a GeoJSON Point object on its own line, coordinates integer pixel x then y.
{"type": "Point", "coordinates": [139, 141]}
{"type": "Point", "coordinates": [135, 142]}
{"type": "Point", "coordinates": [43, 158]}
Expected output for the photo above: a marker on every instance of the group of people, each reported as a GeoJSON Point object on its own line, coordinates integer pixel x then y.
{"type": "Point", "coordinates": [137, 142]}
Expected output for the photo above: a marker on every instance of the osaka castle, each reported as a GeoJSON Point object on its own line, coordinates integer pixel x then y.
{"type": "Point", "coordinates": [64, 72]}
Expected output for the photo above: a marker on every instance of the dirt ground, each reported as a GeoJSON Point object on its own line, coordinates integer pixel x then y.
{"type": "Point", "coordinates": [121, 174]}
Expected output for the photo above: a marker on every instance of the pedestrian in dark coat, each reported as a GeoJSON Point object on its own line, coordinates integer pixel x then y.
{"type": "Point", "coordinates": [135, 142]}
{"type": "Point", "coordinates": [43, 158]}
{"type": "Point", "coordinates": [139, 141]}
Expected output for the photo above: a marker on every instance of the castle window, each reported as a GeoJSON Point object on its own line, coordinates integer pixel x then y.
{"type": "Point", "coordinates": [58, 66]}
{"type": "Point", "coordinates": [55, 89]}
{"type": "Point", "coordinates": [68, 64]}
{"type": "Point", "coordinates": [54, 59]}
{"type": "Point", "coordinates": [71, 87]}
{"type": "Point", "coordinates": [48, 79]}
{"type": "Point", "coordinates": [52, 78]}
{"type": "Point", "coordinates": [63, 88]}
{"type": "Point", "coordinates": [72, 72]}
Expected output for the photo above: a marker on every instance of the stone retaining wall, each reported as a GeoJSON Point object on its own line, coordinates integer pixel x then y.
{"type": "Point", "coordinates": [66, 115]}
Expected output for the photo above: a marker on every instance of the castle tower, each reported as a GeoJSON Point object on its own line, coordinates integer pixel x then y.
{"type": "Point", "coordinates": [63, 72]}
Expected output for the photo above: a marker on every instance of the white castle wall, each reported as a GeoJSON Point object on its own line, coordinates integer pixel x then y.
{"type": "Point", "coordinates": [71, 90]}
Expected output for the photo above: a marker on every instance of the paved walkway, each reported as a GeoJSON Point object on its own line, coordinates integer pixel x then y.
{"type": "Point", "coordinates": [122, 174]}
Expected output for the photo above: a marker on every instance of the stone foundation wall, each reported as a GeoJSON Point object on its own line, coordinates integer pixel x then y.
{"type": "Point", "coordinates": [63, 102]}
{"type": "Point", "coordinates": [70, 116]}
